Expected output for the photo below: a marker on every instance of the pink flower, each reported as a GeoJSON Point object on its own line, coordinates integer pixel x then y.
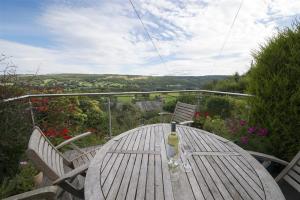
{"type": "Point", "coordinates": [243, 122]}
{"type": "Point", "coordinates": [251, 129]}
{"type": "Point", "coordinates": [244, 139]}
{"type": "Point", "coordinates": [262, 132]}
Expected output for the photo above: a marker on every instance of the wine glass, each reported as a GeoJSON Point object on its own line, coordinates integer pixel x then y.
{"type": "Point", "coordinates": [187, 152]}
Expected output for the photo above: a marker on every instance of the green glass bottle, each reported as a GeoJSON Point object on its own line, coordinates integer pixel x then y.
{"type": "Point", "coordinates": [173, 143]}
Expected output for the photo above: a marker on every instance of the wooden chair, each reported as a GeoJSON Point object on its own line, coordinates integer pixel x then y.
{"type": "Point", "coordinates": [183, 113]}
{"type": "Point", "coordinates": [291, 172]}
{"type": "Point", "coordinates": [47, 193]}
{"type": "Point", "coordinates": [54, 164]}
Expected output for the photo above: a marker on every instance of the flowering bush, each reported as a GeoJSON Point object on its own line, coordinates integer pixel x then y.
{"type": "Point", "coordinates": [199, 119]}
{"type": "Point", "coordinates": [243, 132]}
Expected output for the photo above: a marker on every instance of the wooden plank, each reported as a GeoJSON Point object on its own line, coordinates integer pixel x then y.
{"type": "Point", "coordinates": [247, 164]}
{"type": "Point", "coordinates": [106, 168]}
{"type": "Point", "coordinates": [196, 136]}
{"type": "Point", "coordinates": [141, 189]}
{"type": "Point", "coordinates": [292, 182]}
{"type": "Point", "coordinates": [41, 147]}
{"type": "Point", "coordinates": [159, 188]}
{"type": "Point", "coordinates": [151, 152]}
{"type": "Point", "coordinates": [297, 169]}
{"type": "Point", "coordinates": [150, 189]}
{"type": "Point", "coordinates": [114, 168]}
{"type": "Point", "coordinates": [216, 143]}
{"type": "Point", "coordinates": [250, 173]}
{"type": "Point", "coordinates": [216, 178]}
{"type": "Point", "coordinates": [235, 189]}
{"type": "Point", "coordinates": [189, 139]}
{"type": "Point", "coordinates": [49, 156]}
{"type": "Point", "coordinates": [245, 172]}
{"type": "Point", "coordinates": [115, 186]}
{"type": "Point", "coordinates": [212, 153]}
{"type": "Point", "coordinates": [209, 181]}
{"type": "Point", "coordinates": [131, 193]}
{"type": "Point", "coordinates": [206, 138]}
{"type": "Point", "coordinates": [295, 176]}
{"type": "Point", "coordinates": [253, 190]}
{"type": "Point", "coordinates": [129, 169]}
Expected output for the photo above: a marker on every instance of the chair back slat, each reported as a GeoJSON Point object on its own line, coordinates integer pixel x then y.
{"type": "Point", "coordinates": [44, 155]}
{"type": "Point", "coordinates": [291, 173]}
{"type": "Point", "coordinates": [183, 112]}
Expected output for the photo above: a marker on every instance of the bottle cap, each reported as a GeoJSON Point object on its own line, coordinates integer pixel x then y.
{"type": "Point", "coordinates": [173, 126]}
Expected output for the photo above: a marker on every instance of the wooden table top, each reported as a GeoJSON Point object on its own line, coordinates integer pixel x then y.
{"type": "Point", "coordinates": [134, 165]}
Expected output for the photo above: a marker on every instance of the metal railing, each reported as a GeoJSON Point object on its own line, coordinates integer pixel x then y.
{"type": "Point", "coordinates": [108, 95]}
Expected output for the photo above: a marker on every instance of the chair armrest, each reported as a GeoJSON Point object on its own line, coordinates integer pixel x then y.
{"type": "Point", "coordinates": [165, 113]}
{"type": "Point", "coordinates": [48, 193]}
{"type": "Point", "coordinates": [77, 137]}
{"type": "Point", "coordinates": [71, 174]}
{"type": "Point", "coordinates": [186, 122]}
{"type": "Point", "coordinates": [267, 157]}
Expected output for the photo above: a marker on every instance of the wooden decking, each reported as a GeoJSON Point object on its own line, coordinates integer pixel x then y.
{"type": "Point", "coordinates": [134, 166]}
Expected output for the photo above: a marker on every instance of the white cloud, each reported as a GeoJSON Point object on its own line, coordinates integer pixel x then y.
{"type": "Point", "coordinates": [108, 38]}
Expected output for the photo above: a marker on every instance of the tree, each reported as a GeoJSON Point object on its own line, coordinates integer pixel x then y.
{"type": "Point", "coordinates": [274, 80]}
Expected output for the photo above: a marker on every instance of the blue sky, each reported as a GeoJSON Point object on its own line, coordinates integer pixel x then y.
{"type": "Point", "coordinates": [97, 36]}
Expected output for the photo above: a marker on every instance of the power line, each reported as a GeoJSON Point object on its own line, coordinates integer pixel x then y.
{"type": "Point", "coordinates": [229, 31]}
{"type": "Point", "coordinates": [148, 34]}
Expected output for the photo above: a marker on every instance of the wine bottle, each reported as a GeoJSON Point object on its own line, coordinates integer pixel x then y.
{"type": "Point", "coordinates": [173, 143]}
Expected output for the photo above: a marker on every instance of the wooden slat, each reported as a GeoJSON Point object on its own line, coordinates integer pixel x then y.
{"type": "Point", "coordinates": [247, 183]}
{"type": "Point", "coordinates": [107, 167]}
{"type": "Point", "coordinates": [212, 153]}
{"type": "Point", "coordinates": [297, 169]}
{"type": "Point", "coordinates": [41, 147]}
{"type": "Point", "coordinates": [250, 173]}
{"type": "Point", "coordinates": [141, 189]}
{"type": "Point", "coordinates": [115, 186]}
{"type": "Point", "coordinates": [200, 140]}
{"type": "Point", "coordinates": [150, 190]}
{"type": "Point", "coordinates": [216, 178]}
{"type": "Point", "coordinates": [129, 169]}
{"type": "Point", "coordinates": [295, 176]}
{"type": "Point", "coordinates": [152, 152]}
{"type": "Point", "coordinates": [113, 169]}
{"type": "Point", "coordinates": [131, 194]}
{"type": "Point", "coordinates": [159, 189]}
{"type": "Point", "coordinates": [209, 181]}
{"type": "Point", "coordinates": [292, 182]}
{"type": "Point", "coordinates": [235, 189]}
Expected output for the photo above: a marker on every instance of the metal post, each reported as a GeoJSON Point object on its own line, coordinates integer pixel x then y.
{"type": "Point", "coordinates": [31, 112]}
{"type": "Point", "coordinates": [109, 118]}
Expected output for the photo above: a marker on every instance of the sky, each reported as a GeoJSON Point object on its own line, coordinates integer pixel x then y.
{"type": "Point", "coordinates": [193, 37]}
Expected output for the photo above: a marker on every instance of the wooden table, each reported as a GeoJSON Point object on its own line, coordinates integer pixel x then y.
{"type": "Point", "coordinates": [134, 166]}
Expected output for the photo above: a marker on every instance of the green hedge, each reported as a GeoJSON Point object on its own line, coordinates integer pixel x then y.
{"type": "Point", "coordinates": [275, 82]}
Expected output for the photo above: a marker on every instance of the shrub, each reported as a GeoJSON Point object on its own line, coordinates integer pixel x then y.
{"type": "Point", "coordinates": [221, 106]}
{"type": "Point", "coordinates": [275, 82]}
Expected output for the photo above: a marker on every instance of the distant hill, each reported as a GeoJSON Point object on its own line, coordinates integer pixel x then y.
{"type": "Point", "coordinates": [111, 82]}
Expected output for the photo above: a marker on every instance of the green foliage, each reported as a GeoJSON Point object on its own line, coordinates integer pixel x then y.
{"type": "Point", "coordinates": [235, 83]}
{"type": "Point", "coordinates": [96, 118]}
{"type": "Point", "coordinates": [275, 82]}
{"type": "Point", "coordinates": [21, 182]}
{"type": "Point", "coordinates": [217, 105]}
{"type": "Point", "coordinates": [216, 125]}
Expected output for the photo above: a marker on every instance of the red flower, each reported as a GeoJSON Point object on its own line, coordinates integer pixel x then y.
{"type": "Point", "coordinates": [66, 137]}
{"type": "Point", "coordinates": [64, 131]}
{"type": "Point", "coordinates": [197, 115]}
{"type": "Point", "coordinates": [206, 114]}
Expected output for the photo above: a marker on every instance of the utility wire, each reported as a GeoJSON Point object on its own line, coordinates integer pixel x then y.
{"type": "Point", "coordinates": [229, 31]}
{"type": "Point", "coordinates": [148, 34]}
